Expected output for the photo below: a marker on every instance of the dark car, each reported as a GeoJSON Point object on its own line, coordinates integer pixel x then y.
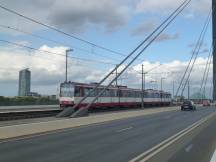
{"type": "Point", "coordinates": [188, 105]}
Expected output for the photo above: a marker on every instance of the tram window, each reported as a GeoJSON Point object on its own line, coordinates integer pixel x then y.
{"type": "Point", "coordinates": [107, 93]}
{"type": "Point", "coordinates": [128, 94]}
{"type": "Point", "coordinates": [77, 92]}
{"type": "Point", "coordinates": [136, 94]}
{"type": "Point", "coordinates": [112, 93]}
{"type": "Point", "coordinates": [151, 95]}
{"type": "Point", "coordinates": [87, 90]}
{"type": "Point", "coordinates": [139, 94]}
{"type": "Point", "coordinates": [123, 93]}
{"type": "Point", "coordinates": [145, 94]}
{"type": "Point", "coordinates": [155, 95]}
{"type": "Point", "coordinates": [115, 93]}
{"type": "Point", "coordinates": [133, 94]}
{"type": "Point", "coordinates": [99, 91]}
{"type": "Point", "coordinates": [93, 93]}
{"type": "Point", "coordinates": [120, 93]}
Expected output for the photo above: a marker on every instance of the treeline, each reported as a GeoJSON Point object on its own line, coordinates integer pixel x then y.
{"type": "Point", "coordinates": [21, 101]}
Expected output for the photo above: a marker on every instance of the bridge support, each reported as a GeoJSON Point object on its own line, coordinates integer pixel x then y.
{"type": "Point", "coordinates": [214, 46]}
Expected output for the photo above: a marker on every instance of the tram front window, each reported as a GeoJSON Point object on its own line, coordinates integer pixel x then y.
{"type": "Point", "coordinates": [67, 90]}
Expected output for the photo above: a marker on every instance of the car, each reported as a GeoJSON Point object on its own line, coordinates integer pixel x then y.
{"type": "Point", "coordinates": [188, 105]}
{"type": "Point", "coordinates": [206, 103]}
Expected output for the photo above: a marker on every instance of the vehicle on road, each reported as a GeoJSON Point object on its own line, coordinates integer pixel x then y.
{"type": "Point", "coordinates": [206, 103]}
{"type": "Point", "coordinates": [115, 96]}
{"type": "Point", "coordinates": [188, 105]}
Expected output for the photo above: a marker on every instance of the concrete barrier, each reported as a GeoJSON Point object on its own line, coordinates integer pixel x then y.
{"type": "Point", "coordinates": [28, 107]}
{"type": "Point", "coordinates": [41, 127]}
{"type": "Point", "coordinates": [7, 109]}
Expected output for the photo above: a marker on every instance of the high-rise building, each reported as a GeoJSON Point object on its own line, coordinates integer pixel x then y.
{"type": "Point", "coordinates": [24, 82]}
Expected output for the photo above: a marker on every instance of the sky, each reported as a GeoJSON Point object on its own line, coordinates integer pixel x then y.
{"type": "Point", "coordinates": [119, 25]}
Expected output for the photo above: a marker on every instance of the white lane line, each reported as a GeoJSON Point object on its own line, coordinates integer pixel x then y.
{"type": "Point", "coordinates": [125, 129]}
{"type": "Point", "coordinates": [213, 159]}
{"type": "Point", "coordinates": [188, 148]}
{"type": "Point", "coordinates": [159, 147]}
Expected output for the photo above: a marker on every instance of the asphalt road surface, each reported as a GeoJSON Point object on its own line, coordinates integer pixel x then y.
{"type": "Point", "coordinates": [120, 140]}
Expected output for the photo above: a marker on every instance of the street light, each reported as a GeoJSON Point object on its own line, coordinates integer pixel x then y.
{"type": "Point", "coordinates": [66, 64]}
{"type": "Point", "coordinates": [153, 81]}
{"type": "Point", "coordinates": [162, 87]}
{"type": "Point", "coordinates": [162, 83]}
{"type": "Point", "coordinates": [143, 81]}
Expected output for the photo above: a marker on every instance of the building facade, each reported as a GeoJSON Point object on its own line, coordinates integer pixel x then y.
{"type": "Point", "coordinates": [24, 82]}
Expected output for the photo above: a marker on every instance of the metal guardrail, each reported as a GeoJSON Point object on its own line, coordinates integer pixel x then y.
{"type": "Point", "coordinates": [30, 111]}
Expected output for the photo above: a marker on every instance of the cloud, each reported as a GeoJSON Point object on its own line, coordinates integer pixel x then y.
{"type": "Point", "coordinates": [71, 15]}
{"type": "Point", "coordinates": [149, 26]}
{"type": "Point", "coordinates": [48, 71]}
{"type": "Point", "coordinates": [23, 43]}
{"type": "Point", "coordinates": [172, 71]}
{"type": "Point", "coordinates": [166, 37]}
{"type": "Point", "coordinates": [81, 15]}
{"type": "Point", "coordinates": [144, 28]}
{"type": "Point", "coordinates": [203, 49]}
{"type": "Point", "coordinates": [166, 6]}
{"type": "Point", "coordinates": [202, 44]}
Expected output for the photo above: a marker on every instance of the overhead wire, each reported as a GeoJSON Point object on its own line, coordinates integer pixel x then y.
{"type": "Point", "coordinates": [59, 43]}
{"type": "Point", "coordinates": [54, 41]}
{"type": "Point", "coordinates": [191, 58]}
{"type": "Point", "coordinates": [166, 23]}
{"type": "Point", "coordinates": [197, 50]}
{"type": "Point", "coordinates": [53, 53]}
{"type": "Point", "coordinates": [58, 30]}
{"type": "Point", "coordinates": [204, 89]}
{"type": "Point", "coordinates": [206, 67]}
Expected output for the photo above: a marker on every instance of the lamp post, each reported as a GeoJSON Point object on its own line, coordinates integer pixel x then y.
{"type": "Point", "coordinates": [162, 87]}
{"type": "Point", "coordinates": [162, 83]}
{"type": "Point", "coordinates": [66, 63]}
{"type": "Point", "coordinates": [143, 85]}
{"type": "Point", "coordinates": [153, 81]}
{"type": "Point", "coordinates": [188, 90]}
{"type": "Point", "coordinates": [173, 89]}
{"type": "Point", "coordinates": [143, 82]}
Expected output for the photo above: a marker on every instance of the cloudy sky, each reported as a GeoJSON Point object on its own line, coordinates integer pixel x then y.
{"type": "Point", "coordinates": [119, 25]}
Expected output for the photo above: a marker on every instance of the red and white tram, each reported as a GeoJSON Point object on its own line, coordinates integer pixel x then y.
{"type": "Point", "coordinates": [122, 96]}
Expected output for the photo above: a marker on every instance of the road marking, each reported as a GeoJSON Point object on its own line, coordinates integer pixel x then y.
{"type": "Point", "coordinates": [125, 129]}
{"type": "Point", "coordinates": [164, 144]}
{"type": "Point", "coordinates": [213, 159]}
{"type": "Point", "coordinates": [188, 148]}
